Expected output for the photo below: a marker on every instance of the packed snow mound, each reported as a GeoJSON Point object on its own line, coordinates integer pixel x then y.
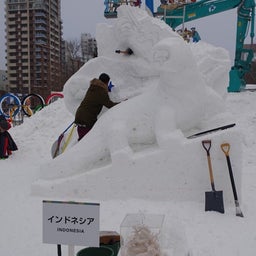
{"type": "Point", "coordinates": [214, 64]}
{"type": "Point", "coordinates": [168, 98]}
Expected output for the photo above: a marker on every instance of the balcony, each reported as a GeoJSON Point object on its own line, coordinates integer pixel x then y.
{"type": "Point", "coordinates": [40, 35]}
{"type": "Point", "coordinates": [40, 14]}
{"type": "Point", "coordinates": [42, 28]}
{"type": "Point", "coordinates": [41, 42]}
{"type": "Point", "coordinates": [40, 21]}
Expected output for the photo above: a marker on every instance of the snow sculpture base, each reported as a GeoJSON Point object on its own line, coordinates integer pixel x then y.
{"type": "Point", "coordinates": [170, 179]}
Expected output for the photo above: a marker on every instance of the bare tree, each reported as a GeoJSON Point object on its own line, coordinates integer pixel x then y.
{"type": "Point", "coordinates": [73, 53]}
{"type": "Point", "coordinates": [73, 48]}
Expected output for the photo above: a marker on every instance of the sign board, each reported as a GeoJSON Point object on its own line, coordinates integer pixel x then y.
{"type": "Point", "coordinates": [71, 223]}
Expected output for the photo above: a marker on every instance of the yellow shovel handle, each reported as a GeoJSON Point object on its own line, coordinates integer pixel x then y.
{"type": "Point", "coordinates": [225, 147]}
{"type": "Point", "coordinates": [207, 146]}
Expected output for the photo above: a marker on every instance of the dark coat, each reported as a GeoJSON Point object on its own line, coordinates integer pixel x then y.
{"type": "Point", "coordinates": [96, 97]}
{"type": "Point", "coordinates": [4, 124]}
{"type": "Point", "coordinates": [7, 144]}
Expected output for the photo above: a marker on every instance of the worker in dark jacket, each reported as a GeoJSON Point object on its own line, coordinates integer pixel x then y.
{"type": "Point", "coordinates": [96, 97]}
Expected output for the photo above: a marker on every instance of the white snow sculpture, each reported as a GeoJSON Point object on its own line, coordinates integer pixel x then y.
{"type": "Point", "coordinates": [166, 105]}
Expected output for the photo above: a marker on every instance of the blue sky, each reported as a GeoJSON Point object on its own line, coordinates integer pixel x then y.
{"type": "Point", "coordinates": [81, 16]}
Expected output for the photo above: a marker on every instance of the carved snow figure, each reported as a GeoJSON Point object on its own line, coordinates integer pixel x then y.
{"type": "Point", "coordinates": [165, 108]}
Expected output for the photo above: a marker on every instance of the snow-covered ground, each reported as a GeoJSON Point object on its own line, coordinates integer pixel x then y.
{"type": "Point", "coordinates": [187, 226]}
{"type": "Point", "coordinates": [137, 158]}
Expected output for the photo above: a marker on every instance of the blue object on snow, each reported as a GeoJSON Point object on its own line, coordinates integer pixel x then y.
{"type": "Point", "coordinates": [110, 86]}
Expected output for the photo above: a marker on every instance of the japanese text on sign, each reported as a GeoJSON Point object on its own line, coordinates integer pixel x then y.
{"type": "Point", "coordinates": [71, 223]}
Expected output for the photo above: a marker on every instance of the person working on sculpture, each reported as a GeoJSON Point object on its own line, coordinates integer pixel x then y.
{"type": "Point", "coordinates": [95, 98]}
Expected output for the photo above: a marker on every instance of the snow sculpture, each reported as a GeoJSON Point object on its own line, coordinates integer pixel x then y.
{"type": "Point", "coordinates": [162, 104]}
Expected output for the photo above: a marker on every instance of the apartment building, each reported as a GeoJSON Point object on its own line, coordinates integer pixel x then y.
{"type": "Point", "coordinates": [33, 46]}
{"type": "Point", "coordinates": [3, 82]}
{"type": "Point", "coordinates": [88, 47]}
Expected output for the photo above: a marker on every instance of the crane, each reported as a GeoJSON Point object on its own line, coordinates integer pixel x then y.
{"type": "Point", "coordinates": [177, 12]}
{"type": "Point", "coordinates": [112, 5]}
{"type": "Point", "coordinates": [245, 14]}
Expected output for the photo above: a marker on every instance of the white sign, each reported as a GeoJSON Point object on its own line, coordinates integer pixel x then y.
{"type": "Point", "coordinates": [71, 223]}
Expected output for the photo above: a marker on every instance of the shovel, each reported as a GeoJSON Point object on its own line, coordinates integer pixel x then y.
{"type": "Point", "coordinates": [225, 148]}
{"type": "Point", "coordinates": [213, 199]}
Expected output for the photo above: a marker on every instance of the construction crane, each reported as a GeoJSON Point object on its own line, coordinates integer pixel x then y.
{"type": "Point", "coordinates": [112, 5]}
{"type": "Point", "coordinates": [177, 12]}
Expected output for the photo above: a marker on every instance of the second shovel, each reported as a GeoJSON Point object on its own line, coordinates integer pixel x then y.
{"type": "Point", "coordinates": [225, 148]}
{"type": "Point", "coordinates": [213, 199]}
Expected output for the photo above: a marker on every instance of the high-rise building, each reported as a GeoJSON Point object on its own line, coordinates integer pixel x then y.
{"type": "Point", "coordinates": [3, 81]}
{"type": "Point", "coordinates": [33, 46]}
{"type": "Point", "coordinates": [88, 46]}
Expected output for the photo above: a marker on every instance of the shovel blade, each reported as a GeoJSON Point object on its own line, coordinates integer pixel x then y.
{"type": "Point", "coordinates": [214, 201]}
